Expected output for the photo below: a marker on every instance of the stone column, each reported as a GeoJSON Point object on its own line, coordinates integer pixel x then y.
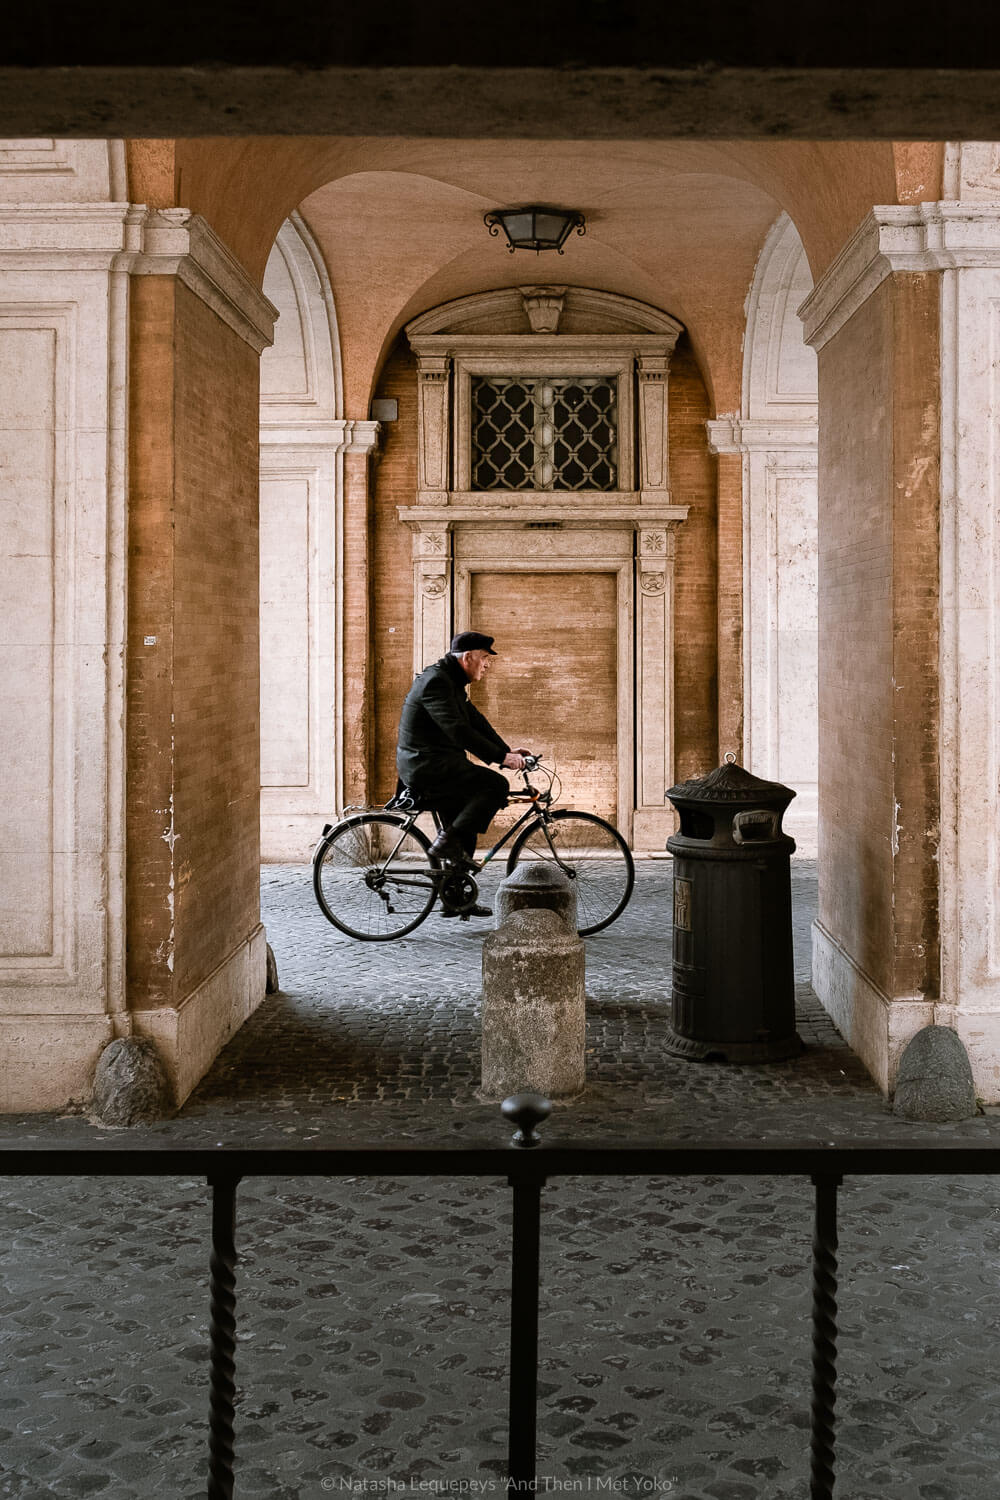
{"type": "Point", "coordinates": [874, 320]}
{"type": "Point", "coordinates": [432, 598]}
{"type": "Point", "coordinates": [653, 821]}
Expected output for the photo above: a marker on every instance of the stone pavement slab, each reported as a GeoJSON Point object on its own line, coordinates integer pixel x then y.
{"type": "Point", "coordinates": [373, 1313]}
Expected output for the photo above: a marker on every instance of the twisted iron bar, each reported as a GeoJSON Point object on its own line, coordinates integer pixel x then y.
{"type": "Point", "coordinates": [822, 1475]}
{"type": "Point", "coordinates": [525, 1111]}
{"type": "Point", "coordinates": [222, 1336]}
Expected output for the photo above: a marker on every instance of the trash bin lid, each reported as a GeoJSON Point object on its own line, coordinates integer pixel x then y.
{"type": "Point", "coordinates": [731, 786]}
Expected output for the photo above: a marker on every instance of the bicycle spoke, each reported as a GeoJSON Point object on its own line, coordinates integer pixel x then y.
{"type": "Point", "coordinates": [373, 878]}
{"type": "Point", "coordinates": [593, 853]}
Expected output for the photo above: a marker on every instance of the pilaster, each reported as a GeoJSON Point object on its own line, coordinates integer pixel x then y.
{"type": "Point", "coordinates": [63, 436]}
{"type": "Point", "coordinates": [360, 453]}
{"type": "Point", "coordinates": [433, 395]}
{"type": "Point", "coordinates": [432, 593]}
{"type": "Point", "coordinates": [653, 821]}
{"type": "Point", "coordinates": [652, 371]}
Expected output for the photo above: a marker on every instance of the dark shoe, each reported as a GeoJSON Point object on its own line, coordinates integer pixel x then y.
{"type": "Point", "coordinates": [447, 846]}
{"type": "Point", "coordinates": [472, 911]}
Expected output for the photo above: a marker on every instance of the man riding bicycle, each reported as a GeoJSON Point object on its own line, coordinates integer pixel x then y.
{"type": "Point", "coordinates": [437, 726]}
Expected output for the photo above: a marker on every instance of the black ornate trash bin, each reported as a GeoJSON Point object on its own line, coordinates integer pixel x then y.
{"type": "Point", "coordinates": [734, 984]}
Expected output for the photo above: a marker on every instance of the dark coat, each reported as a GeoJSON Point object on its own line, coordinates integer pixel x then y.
{"type": "Point", "coordinates": [437, 726]}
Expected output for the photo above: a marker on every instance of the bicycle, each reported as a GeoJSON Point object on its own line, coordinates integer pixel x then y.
{"type": "Point", "coordinates": [375, 878]}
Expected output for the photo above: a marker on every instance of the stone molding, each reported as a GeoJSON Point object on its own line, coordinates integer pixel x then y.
{"type": "Point", "coordinates": [456, 318]}
{"type": "Point", "coordinates": [129, 237]}
{"type": "Point", "coordinates": [176, 242]}
{"type": "Point", "coordinates": [68, 236]}
{"type": "Point", "coordinates": [568, 515]}
{"type": "Point", "coordinates": [732, 434]}
{"type": "Point", "coordinates": [310, 328]}
{"type": "Point", "coordinates": [337, 435]}
{"type": "Point", "coordinates": [361, 436]}
{"type": "Point", "coordinates": [916, 237]}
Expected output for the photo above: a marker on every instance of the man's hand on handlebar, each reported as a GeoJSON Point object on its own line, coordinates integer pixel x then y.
{"type": "Point", "coordinates": [519, 760]}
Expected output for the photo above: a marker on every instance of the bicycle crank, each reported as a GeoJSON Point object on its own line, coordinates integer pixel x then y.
{"type": "Point", "coordinates": [458, 891]}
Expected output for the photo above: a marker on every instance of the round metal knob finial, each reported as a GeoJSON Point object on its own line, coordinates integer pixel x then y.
{"type": "Point", "coordinates": [526, 1111]}
{"type": "Point", "coordinates": [730, 758]}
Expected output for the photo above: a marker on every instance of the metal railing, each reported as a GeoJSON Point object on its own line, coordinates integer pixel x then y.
{"type": "Point", "coordinates": [526, 1163]}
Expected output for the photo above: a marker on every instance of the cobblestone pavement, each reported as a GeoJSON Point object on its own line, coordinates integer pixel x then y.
{"type": "Point", "coordinates": [372, 1320]}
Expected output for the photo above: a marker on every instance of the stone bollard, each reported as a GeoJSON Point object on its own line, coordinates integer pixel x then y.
{"type": "Point", "coordinates": [539, 883]}
{"type": "Point", "coordinates": [130, 1084]}
{"type": "Point", "coordinates": [934, 1081]}
{"type": "Point", "coordinates": [534, 1007]}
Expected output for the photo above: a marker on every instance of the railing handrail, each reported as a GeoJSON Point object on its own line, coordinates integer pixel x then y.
{"type": "Point", "coordinates": [784, 1158]}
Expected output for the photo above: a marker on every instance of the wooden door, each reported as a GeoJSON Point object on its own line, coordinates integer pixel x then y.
{"type": "Point", "coordinates": [554, 685]}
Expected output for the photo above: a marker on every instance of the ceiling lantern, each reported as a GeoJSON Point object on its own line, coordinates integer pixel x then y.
{"type": "Point", "coordinates": [535, 228]}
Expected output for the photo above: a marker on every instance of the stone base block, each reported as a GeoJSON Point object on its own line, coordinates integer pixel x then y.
{"type": "Point", "coordinates": [979, 1033]}
{"type": "Point", "coordinates": [876, 1027]}
{"type": "Point", "coordinates": [651, 827]}
{"type": "Point", "coordinates": [534, 1008]}
{"type": "Point", "coordinates": [190, 1037]}
{"type": "Point", "coordinates": [47, 1062]}
{"type": "Point", "coordinates": [289, 838]}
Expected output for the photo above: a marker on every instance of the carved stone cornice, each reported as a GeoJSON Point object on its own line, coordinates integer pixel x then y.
{"type": "Point", "coordinates": [568, 515]}
{"type": "Point", "coordinates": [176, 242]}
{"type": "Point", "coordinates": [361, 436]}
{"type": "Point", "coordinates": [68, 236]}
{"type": "Point", "coordinates": [732, 434]}
{"type": "Point", "coordinates": [899, 237]}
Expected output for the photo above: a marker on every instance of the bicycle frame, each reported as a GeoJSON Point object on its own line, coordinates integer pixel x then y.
{"type": "Point", "coordinates": [539, 806]}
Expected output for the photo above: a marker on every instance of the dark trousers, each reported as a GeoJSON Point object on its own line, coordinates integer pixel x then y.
{"type": "Point", "coordinates": [469, 807]}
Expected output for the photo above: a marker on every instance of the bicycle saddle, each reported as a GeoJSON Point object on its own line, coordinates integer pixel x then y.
{"type": "Point", "coordinates": [403, 800]}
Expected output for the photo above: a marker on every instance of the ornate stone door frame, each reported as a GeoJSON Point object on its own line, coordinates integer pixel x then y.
{"type": "Point", "coordinates": [628, 531]}
{"type": "Point", "coordinates": [637, 544]}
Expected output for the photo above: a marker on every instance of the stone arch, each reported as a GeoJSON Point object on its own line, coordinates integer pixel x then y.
{"type": "Point", "coordinates": [302, 437]}
{"type": "Point", "coordinates": [776, 436]}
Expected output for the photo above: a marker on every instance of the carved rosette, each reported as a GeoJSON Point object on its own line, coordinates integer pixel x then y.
{"type": "Point", "coordinates": [655, 559]}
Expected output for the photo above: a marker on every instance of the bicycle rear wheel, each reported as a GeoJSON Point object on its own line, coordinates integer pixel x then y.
{"type": "Point", "coordinates": [592, 853]}
{"type": "Point", "coordinates": [374, 878]}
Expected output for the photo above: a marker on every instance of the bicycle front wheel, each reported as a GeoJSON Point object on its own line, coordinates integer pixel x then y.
{"type": "Point", "coordinates": [594, 856]}
{"type": "Point", "coordinates": [374, 878]}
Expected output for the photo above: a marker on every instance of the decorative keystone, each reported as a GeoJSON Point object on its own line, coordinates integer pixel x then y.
{"type": "Point", "coordinates": [526, 1111]}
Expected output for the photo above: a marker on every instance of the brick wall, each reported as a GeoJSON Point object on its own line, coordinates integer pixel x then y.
{"type": "Point", "coordinates": [693, 483]}
{"type": "Point", "coordinates": [193, 768]}
{"type": "Point", "coordinates": [878, 622]}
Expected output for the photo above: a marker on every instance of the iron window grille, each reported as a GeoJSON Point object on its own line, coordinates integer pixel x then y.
{"type": "Point", "coordinates": [546, 432]}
